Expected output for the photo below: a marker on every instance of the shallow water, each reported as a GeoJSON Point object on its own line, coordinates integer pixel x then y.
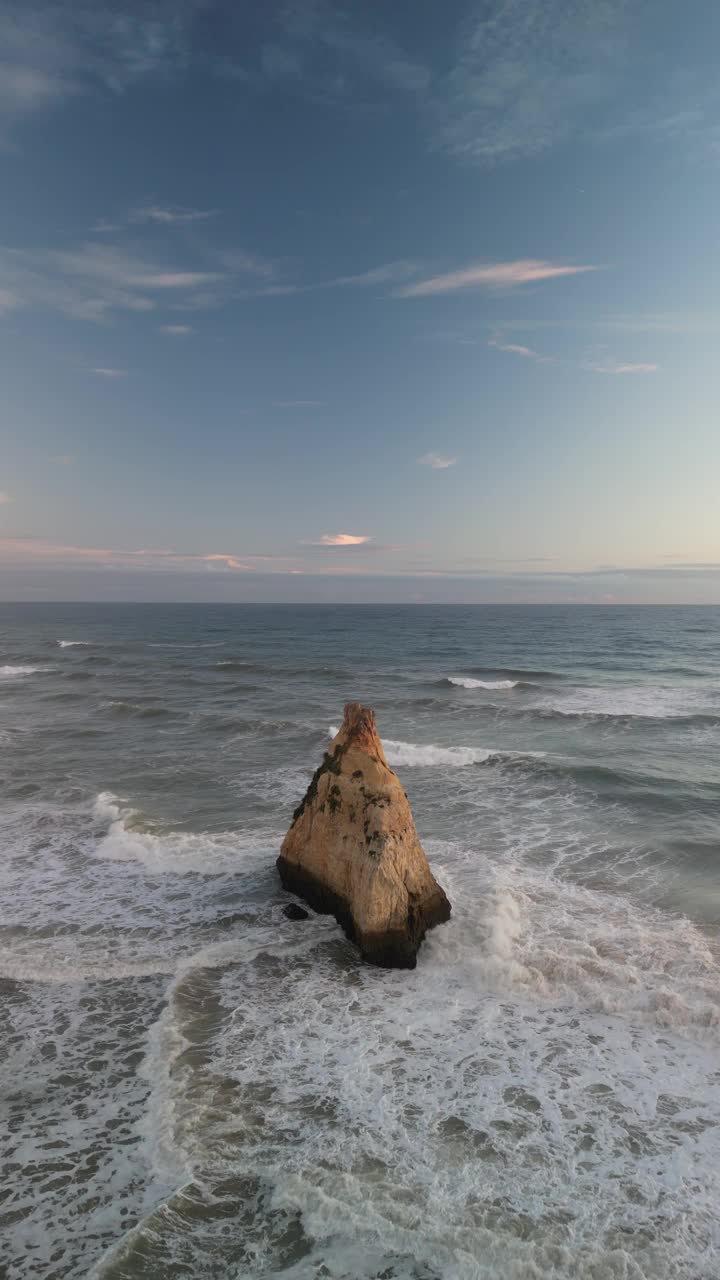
{"type": "Point", "coordinates": [190, 1084]}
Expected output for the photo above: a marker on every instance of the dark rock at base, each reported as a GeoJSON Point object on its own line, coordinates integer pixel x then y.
{"type": "Point", "coordinates": [294, 912]}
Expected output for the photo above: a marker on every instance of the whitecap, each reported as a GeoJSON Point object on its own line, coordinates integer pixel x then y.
{"type": "Point", "coordinates": [10, 672]}
{"type": "Point", "coordinates": [427, 755]}
{"type": "Point", "coordinates": [72, 644]}
{"type": "Point", "coordinates": [467, 682]}
{"type": "Point", "coordinates": [209, 852]}
{"type": "Point", "coordinates": [651, 702]}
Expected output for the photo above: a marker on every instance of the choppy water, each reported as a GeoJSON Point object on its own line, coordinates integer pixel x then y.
{"type": "Point", "coordinates": [191, 1085]}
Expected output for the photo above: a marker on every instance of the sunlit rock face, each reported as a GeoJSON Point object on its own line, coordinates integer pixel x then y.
{"type": "Point", "coordinates": [352, 849]}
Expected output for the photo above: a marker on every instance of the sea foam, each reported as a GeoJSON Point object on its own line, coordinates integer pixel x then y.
{"type": "Point", "coordinates": [468, 682]}
{"type": "Point", "coordinates": [427, 755]}
{"type": "Point", "coordinates": [10, 672]}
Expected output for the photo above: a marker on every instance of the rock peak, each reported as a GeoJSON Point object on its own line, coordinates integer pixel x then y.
{"type": "Point", "coordinates": [360, 729]}
{"type": "Point", "coordinates": [352, 849]}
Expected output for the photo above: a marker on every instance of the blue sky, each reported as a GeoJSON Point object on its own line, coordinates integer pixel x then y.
{"type": "Point", "coordinates": [324, 301]}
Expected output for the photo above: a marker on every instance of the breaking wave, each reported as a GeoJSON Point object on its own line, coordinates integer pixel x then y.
{"type": "Point", "coordinates": [642, 702]}
{"type": "Point", "coordinates": [422, 755]}
{"type": "Point", "coordinates": [72, 644]}
{"type": "Point", "coordinates": [9, 672]}
{"type": "Point", "coordinates": [468, 682]}
{"type": "Point", "coordinates": [126, 839]}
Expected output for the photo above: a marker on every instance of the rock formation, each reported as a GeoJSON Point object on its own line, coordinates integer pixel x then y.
{"type": "Point", "coordinates": [352, 849]}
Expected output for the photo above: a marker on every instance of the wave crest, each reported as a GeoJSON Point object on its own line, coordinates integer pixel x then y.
{"type": "Point", "coordinates": [428, 755]}
{"type": "Point", "coordinates": [9, 672]}
{"type": "Point", "coordinates": [468, 682]}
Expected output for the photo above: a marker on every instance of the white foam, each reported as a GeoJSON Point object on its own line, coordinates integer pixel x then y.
{"type": "Point", "coordinates": [427, 755]}
{"type": "Point", "coordinates": [653, 702]}
{"type": "Point", "coordinates": [467, 682]}
{"type": "Point", "coordinates": [9, 672]}
{"type": "Point", "coordinates": [412, 754]}
{"type": "Point", "coordinates": [521, 1105]}
{"type": "Point", "coordinates": [184, 852]}
{"type": "Point", "coordinates": [73, 644]}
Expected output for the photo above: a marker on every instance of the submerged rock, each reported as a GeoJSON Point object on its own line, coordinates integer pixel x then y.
{"type": "Point", "coordinates": [295, 912]}
{"type": "Point", "coordinates": [352, 849]}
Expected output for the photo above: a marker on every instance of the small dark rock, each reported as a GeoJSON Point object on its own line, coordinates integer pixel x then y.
{"type": "Point", "coordinates": [294, 912]}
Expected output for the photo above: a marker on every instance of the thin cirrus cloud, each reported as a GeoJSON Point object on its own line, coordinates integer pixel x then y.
{"type": "Point", "coordinates": [27, 551]}
{"type": "Point", "coordinates": [389, 273]}
{"type": "Point", "coordinates": [340, 540]}
{"type": "Point", "coordinates": [494, 275]}
{"type": "Point", "coordinates": [57, 52]}
{"type": "Point", "coordinates": [91, 281]}
{"type": "Point", "coordinates": [168, 217]}
{"type": "Point", "coordinates": [517, 349]}
{"type": "Point", "coordinates": [608, 366]}
{"type": "Point", "coordinates": [618, 367]}
{"type": "Point", "coordinates": [107, 372]}
{"type": "Point", "coordinates": [176, 330]}
{"type": "Point", "coordinates": [437, 461]}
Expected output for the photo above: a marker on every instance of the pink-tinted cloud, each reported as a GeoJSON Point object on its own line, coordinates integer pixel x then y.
{"type": "Point", "coordinates": [493, 275]}
{"type": "Point", "coordinates": [42, 551]}
{"type": "Point", "coordinates": [341, 540]}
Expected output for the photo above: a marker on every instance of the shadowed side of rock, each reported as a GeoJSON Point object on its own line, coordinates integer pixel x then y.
{"type": "Point", "coordinates": [352, 849]}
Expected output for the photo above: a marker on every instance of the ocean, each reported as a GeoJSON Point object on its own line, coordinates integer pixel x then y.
{"type": "Point", "coordinates": [192, 1085]}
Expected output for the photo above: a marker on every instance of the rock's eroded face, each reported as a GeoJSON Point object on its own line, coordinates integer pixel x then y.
{"type": "Point", "coordinates": [353, 850]}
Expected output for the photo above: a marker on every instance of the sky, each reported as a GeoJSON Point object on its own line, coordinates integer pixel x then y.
{"type": "Point", "coordinates": [365, 301]}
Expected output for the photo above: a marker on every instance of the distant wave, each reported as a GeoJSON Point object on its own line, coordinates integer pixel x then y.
{"type": "Point", "coordinates": [426, 755]}
{"type": "Point", "coordinates": [468, 682]}
{"type": "Point", "coordinates": [72, 644]}
{"type": "Point", "coordinates": [9, 673]}
{"type": "Point", "coordinates": [519, 674]}
{"type": "Point", "coordinates": [122, 708]}
{"type": "Point", "coordinates": [248, 667]}
{"type": "Point", "coordinates": [643, 702]}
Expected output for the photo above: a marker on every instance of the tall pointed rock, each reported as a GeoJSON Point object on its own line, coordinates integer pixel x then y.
{"type": "Point", "coordinates": [353, 850]}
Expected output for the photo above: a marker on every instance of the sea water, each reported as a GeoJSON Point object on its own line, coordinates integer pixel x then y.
{"type": "Point", "coordinates": [192, 1085]}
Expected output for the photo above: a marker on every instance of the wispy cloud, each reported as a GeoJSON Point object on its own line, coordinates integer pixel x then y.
{"type": "Point", "coordinates": [340, 540]}
{"type": "Point", "coordinates": [176, 330]}
{"type": "Point", "coordinates": [109, 372]}
{"type": "Point", "coordinates": [387, 274]}
{"type": "Point", "coordinates": [527, 77]}
{"type": "Point", "coordinates": [91, 281]}
{"type": "Point", "coordinates": [319, 52]}
{"type": "Point", "coordinates": [43, 551]}
{"type": "Point", "coordinates": [516, 349]}
{"type": "Point", "coordinates": [494, 275]}
{"type": "Point", "coordinates": [168, 217]}
{"type": "Point", "coordinates": [5, 497]}
{"type": "Point", "coordinates": [437, 461]}
{"type": "Point", "coordinates": [53, 52]}
{"type": "Point", "coordinates": [591, 364]}
{"type": "Point", "coordinates": [618, 367]}
{"type": "Point", "coordinates": [251, 264]}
